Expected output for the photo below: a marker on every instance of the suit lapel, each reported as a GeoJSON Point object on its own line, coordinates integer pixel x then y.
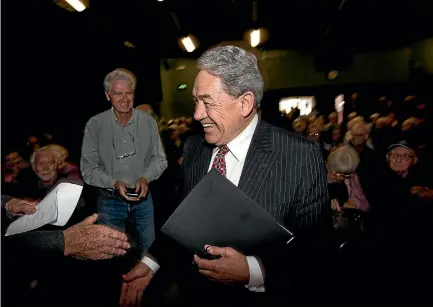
{"type": "Point", "coordinates": [258, 163]}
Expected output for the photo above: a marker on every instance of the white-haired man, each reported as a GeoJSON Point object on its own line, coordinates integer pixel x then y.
{"type": "Point", "coordinates": [283, 173]}
{"type": "Point", "coordinates": [122, 150]}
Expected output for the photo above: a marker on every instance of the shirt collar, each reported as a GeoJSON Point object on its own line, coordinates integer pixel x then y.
{"type": "Point", "coordinates": [240, 144]}
{"type": "Point", "coordinates": [131, 120]}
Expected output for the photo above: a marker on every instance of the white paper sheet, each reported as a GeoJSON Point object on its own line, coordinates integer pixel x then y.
{"type": "Point", "coordinates": [56, 208]}
{"type": "Point", "coordinates": [68, 195]}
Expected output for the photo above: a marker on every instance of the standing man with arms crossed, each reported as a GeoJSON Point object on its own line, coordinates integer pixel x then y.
{"type": "Point", "coordinates": [283, 173]}
{"type": "Point", "coordinates": [122, 149]}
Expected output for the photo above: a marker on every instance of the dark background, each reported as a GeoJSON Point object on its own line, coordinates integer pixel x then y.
{"type": "Point", "coordinates": [54, 61]}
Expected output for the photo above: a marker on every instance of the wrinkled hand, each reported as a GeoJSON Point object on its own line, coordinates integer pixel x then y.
{"type": "Point", "coordinates": [427, 195]}
{"type": "Point", "coordinates": [232, 267]}
{"type": "Point", "coordinates": [18, 207]}
{"type": "Point", "coordinates": [121, 187]}
{"type": "Point", "coordinates": [134, 284]}
{"type": "Point", "coordinates": [88, 241]}
{"type": "Point", "coordinates": [142, 187]}
{"type": "Point", "coordinates": [422, 192]}
{"type": "Point", "coordinates": [335, 205]}
{"type": "Point", "coordinates": [350, 204]}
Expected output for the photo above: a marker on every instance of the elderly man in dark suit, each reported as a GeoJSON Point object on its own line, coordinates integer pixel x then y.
{"type": "Point", "coordinates": [282, 172]}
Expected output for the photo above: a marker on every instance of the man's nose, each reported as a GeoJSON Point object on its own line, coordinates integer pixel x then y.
{"type": "Point", "coordinates": [200, 111]}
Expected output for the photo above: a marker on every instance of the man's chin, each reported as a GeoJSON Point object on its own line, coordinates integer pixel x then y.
{"type": "Point", "coordinates": [211, 138]}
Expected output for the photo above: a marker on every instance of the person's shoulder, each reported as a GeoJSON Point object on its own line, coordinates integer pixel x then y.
{"type": "Point", "coordinates": [145, 117]}
{"type": "Point", "coordinates": [283, 138]}
{"type": "Point", "coordinates": [194, 140]}
{"type": "Point", "coordinates": [98, 117]}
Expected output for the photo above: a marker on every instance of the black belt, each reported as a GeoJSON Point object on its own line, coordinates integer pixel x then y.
{"type": "Point", "coordinates": [111, 192]}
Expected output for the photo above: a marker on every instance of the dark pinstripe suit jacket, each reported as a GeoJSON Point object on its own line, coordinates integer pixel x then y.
{"type": "Point", "coordinates": [284, 174]}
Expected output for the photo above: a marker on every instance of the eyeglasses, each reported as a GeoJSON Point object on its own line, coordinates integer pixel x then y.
{"type": "Point", "coordinates": [403, 157]}
{"type": "Point", "coordinates": [121, 156]}
{"type": "Point", "coordinates": [346, 176]}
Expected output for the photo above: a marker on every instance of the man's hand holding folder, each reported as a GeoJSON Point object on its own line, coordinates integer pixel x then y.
{"type": "Point", "coordinates": [232, 267]}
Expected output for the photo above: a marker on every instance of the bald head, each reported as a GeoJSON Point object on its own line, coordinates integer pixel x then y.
{"type": "Point", "coordinates": [145, 108]}
{"type": "Point", "coordinates": [359, 133]}
{"type": "Point", "coordinates": [360, 128]}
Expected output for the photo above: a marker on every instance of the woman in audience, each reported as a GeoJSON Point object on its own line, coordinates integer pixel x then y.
{"type": "Point", "coordinates": [342, 164]}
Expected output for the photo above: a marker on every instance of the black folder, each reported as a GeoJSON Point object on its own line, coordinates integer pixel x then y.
{"type": "Point", "coordinates": [217, 213]}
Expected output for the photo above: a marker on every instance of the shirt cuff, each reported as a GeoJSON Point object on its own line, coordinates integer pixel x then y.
{"type": "Point", "coordinates": [151, 264]}
{"type": "Point", "coordinates": [256, 282]}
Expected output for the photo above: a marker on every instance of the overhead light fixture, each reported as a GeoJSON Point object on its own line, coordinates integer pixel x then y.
{"type": "Point", "coordinates": [255, 38]}
{"type": "Point", "coordinates": [77, 5]}
{"type": "Point", "coordinates": [188, 44]}
{"type": "Point", "coordinates": [129, 44]}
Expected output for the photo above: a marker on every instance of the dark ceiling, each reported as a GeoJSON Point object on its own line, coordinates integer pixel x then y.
{"type": "Point", "coordinates": [307, 25]}
{"type": "Point", "coordinates": [54, 61]}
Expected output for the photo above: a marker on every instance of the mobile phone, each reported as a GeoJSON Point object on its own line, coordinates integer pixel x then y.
{"type": "Point", "coordinates": [205, 255]}
{"type": "Point", "coordinates": [130, 192]}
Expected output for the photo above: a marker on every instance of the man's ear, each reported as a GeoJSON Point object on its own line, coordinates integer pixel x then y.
{"type": "Point", "coordinates": [107, 96]}
{"type": "Point", "coordinates": [415, 160]}
{"type": "Point", "coordinates": [248, 102]}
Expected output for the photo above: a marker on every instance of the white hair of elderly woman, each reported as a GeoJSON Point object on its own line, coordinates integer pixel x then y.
{"type": "Point", "coordinates": [343, 160]}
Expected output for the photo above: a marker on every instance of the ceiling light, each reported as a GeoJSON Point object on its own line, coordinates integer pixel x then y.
{"type": "Point", "coordinates": [188, 44]}
{"type": "Point", "coordinates": [77, 5]}
{"type": "Point", "coordinates": [129, 44]}
{"type": "Point", "coordinates": [255, 38]}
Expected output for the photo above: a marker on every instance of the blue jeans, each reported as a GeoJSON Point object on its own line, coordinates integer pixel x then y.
{"type": "Point", "coordinates": [118, 213]}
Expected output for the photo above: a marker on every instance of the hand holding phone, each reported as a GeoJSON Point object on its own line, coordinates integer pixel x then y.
{"type": "Point", "coordinates": [130, 192]}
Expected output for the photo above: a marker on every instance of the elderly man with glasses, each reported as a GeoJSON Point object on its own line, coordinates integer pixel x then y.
{"type": "Point", "coordinates": [121, 154]}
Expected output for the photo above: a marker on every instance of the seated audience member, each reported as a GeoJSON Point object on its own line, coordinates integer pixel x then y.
{"type": "Point", "coordinates": [14, 163]}
{"type": "Point", "coordinates": [299, 126]}
{"type": "Point", "coordinates": [342, 165]}
{"type": "Point", "coordinates": [67, 170]}
{"type": "Point", "coordinates": [402, 229]}
{"type": "Point", "coordinates": [45, 176]}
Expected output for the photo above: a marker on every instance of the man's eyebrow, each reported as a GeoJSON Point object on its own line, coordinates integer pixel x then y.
{"type": "Point", "coordinates": [205, 96]}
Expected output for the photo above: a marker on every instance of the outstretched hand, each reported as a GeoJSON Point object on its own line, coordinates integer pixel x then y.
{"type": "Point", "coordinates": [86, 240]}
{"type": "Point", "coordinates": [134, 284]}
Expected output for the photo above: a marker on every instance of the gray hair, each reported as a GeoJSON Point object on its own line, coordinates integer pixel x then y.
{"type": "Point", "coordinates": [119, 74]}
{"type": "Point", "coordinates": [343, 160]}
{"type": "Point", "coordinates": [237, 68]}
{"type": "Point", "coordinates": [41, 150]}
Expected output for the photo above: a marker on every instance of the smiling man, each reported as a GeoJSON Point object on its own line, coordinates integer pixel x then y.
{"type": "Point", "coordinates": [122, 149]}
{"type": "Point", "coordinates": [282, 172]}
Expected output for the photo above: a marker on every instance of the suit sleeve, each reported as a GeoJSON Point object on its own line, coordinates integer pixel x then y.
{"type": "Point", "coordinates": [29, 256]}
{"type": "Point", "coordinates": [35, 243]}
{"type": "Point", "coordinates": [298, 265]}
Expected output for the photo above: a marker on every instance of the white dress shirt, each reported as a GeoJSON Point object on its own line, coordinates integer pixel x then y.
{"type": "Point", "coordinates": [235, 159]}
